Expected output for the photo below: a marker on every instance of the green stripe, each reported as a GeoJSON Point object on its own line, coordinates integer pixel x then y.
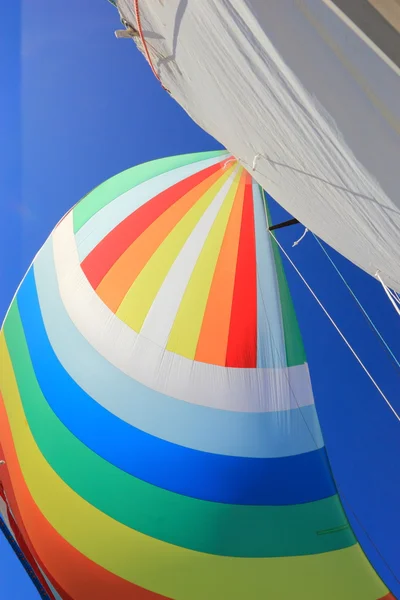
{"type": "Point", "coordinates": [215, 528]}
{"type": "Point", "coordinates": [295, 353]}
{"type": "Point", "coordinates": [106, 192]}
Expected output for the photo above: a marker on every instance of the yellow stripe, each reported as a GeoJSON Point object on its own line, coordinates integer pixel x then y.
{"type": "Point", "coordinates": [187, 325]}
{"type": "Point", "coordinates": [138, 300]}
{"type": "Point", "coordinates": [175, 572]}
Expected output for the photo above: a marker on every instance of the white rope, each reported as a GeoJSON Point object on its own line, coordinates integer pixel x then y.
{"type": "Point", "coordinates": [393, 299]}
{"type": "Point", "coordinates": [300, 238]}
{"type": "Point", "coordinates": [361, 307]}
{"type": "Point", "coordinates": [337, 329]}
{"type": "Point", "coordinates": [397, 296]}
{"type": "Point", "coordinates": [255, 160]}
{"type": "Point", "coordinates": [228, 161]}
{"type": "Point", "coordinates": [394, 295]}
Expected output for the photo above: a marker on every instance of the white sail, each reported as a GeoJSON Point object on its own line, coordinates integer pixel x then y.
{"type": "Point", "coordinates": [307, 94]}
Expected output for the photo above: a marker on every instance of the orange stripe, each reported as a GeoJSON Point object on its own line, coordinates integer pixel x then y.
{"type": "Point", "coordinates": [116, 284]}
{"type": "Point", "coordinates": [12, 505]}
{"type": "Point", "coordinates": [213, 339]}
{"type": "Point", "coordinates": [38, 573]}
{"type": "Point", "coordinates": [80, 577]}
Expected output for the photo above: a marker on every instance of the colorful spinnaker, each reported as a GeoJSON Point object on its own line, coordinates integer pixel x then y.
{"type": "Point", "coordinates": [157, 420]}
{"type": "Point", "coordinates": [307, 92]}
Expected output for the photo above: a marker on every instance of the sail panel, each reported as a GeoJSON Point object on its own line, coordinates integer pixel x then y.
{"type": "Point", "coordinates": [301, 87]}
{"type": "Point", "coordinates": [147, 452]}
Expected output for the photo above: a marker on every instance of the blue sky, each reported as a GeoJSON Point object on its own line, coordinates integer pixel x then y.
{"type": "Point", "coordinates": [78, 106]}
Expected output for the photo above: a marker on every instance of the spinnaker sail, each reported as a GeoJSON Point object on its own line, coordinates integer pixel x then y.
{"type": "Point", "coordinates": [157, 419]}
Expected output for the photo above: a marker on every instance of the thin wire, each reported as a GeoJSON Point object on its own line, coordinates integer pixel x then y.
{"type": "Point", "coordinates": [338, 330]}
{"type": "Point", "coordinates": [300, 408]}
{"type": "Point", "coordinates": [394, 295]}
{"type": "Point", "coordinates": [339, 488]}
{"type": "Point", "coordinates": [366, 315]}
{"type": "Point", "coordinates": [389, 293]}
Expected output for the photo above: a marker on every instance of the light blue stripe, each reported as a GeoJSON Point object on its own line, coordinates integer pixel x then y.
{"type": "Point", "coordinates": [270, 336]}
{"type": "Point", "coordinates": [203, 475]}
{"type": "Point", "coordinates": [258, 435]}
{"type": "Point", "coordinates": [106, 219]}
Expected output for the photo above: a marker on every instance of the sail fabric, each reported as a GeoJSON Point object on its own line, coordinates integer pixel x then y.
{"type": "Point", "coordinates": [300, 87]}
{"type": "Point", "coordinates": [42, 583]}
{"type": "Point", "coordinates": [157, 417]}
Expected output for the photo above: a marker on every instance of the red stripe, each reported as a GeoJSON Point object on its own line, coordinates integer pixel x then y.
{"type": "Point", "coordinates": [101, 259]}
{"type": "Point", "coordinates": [27, 553]}
{"type": "Point", "coordinates": [242, 340]}
{"type": "Point", "coordinates": [144, 44]}
{"type": "Point", "coordinates": [26, 546]}
{"type": "Point", "coordinates": [389, 596]}
{"type": "Point", "coordinates": [85, 579]}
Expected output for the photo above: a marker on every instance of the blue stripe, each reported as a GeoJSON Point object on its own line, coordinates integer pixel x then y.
{"type": "Point", "coordinates": [213, 477]}
{"type": "Point", "coordinates": [254, 434]}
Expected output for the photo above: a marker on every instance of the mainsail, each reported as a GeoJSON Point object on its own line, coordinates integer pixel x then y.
{"type": "Point", "coordinates": [157, 419]}
{"type": "Point", "coordinates": [307, 92]}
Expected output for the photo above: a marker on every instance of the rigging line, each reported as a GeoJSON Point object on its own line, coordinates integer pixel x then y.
{"type": "Point", "coordinates": [301, 238]}
{"type": "Point", "coordinates": [397, 295]}
{"type": "Point", "coordinates": [389, 293]}
{"type": "Point", "coordinates": [338, 487]}
{"type": "Point", "coordinates": [366, 315]}
{"type": "Point", "coordinates": [144, 43]}
{"type": "Point", "coordinates": [286, 375]}
{"type": "Point", "coordinates": [299, 407]}
{"type": "Point", "coordinates": [350, 347]}
{"type": "Point", "coordinates": [394, 295]}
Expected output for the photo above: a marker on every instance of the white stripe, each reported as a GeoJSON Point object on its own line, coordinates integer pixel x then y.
{"type": "Point", "coordinates": [161, 316]}
{"type": "Point", "coordinates": [271, 350]}
{"type": "Point", "coordinates": [52, 588]}
{"type": "Point", "coordinates": [226, 388]}
{"type": "Point", "coordinates": [111, 215]}
{"type": "Point", "coordinates": [233, 433]}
